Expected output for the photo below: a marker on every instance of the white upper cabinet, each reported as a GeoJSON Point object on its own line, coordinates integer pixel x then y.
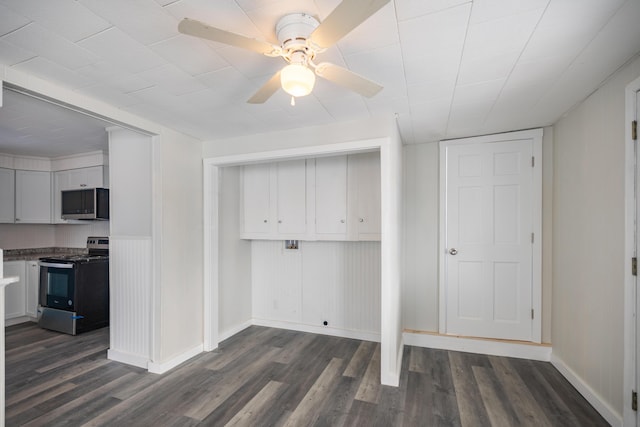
{"type": "Point", "coordinates": [364, 203]}
{"type": "Point", "coordinates": [291, 197]}
{"type": "Point", "coordinates": [7, 195]}
{"type": "Point", "coordinates": [274, 200]}
{"type": "Point", "coordinates": [76, 179]}
{"type": "Point", "coordinates": [331, 197]}
{"type": "Point", "coordinates": [33, 197]}
{"type": "Point", "coordinates": [257, 199]}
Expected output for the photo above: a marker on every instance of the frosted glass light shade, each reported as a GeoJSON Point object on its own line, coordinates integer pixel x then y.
{"type": "Point", "coordinates": [297, 80]}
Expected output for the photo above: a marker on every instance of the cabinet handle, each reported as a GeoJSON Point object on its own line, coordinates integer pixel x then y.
{"type": "Point", "coordinates": [279, 221]}
{"type": "Point", "coordinates": [342, 221]}
{"type": "Point", "coordinates": [83, 185]}
{"type": "Point", "coordinates": [17, 219]}
{"type": "Point", "coordinates": [361, 220]}
{"type": "Point", "coordinates": [265, 221]}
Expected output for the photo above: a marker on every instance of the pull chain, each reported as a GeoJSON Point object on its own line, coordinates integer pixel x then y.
{"type": "Point", "coordinates": [293, 101]}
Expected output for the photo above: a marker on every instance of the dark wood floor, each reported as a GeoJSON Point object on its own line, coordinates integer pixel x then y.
{"type": "Point", "coordinates": [273, 377]}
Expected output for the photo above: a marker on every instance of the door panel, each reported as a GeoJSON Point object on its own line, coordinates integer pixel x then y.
{"type": "Point", "coordinates": [489, 221]}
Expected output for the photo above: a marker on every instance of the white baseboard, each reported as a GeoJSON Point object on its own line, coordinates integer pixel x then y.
{"type": "Point", "coordinates": [161, 368]}
{"type": "Point", "coordinates": [234, 330]}
{"type": "Point", "coordinates": [321, 330]}
{"type": "Point", "coordinates": [482, 346]}
{"type": "Point", "coordinates": [128, 358]}
{"type": "Point", "coordinates": [607, 412]}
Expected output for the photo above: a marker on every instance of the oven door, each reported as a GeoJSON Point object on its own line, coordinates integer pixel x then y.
{"type": "Point", "coordinates": [57, 285]}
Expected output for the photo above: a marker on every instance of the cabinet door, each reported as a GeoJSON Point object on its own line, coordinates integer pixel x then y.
{"type": "Point", "coordinates": [256, 198]}
{"type": "Point", "coordinates": [7, 195]}
{"type": "Point", "coordinates": [364, 189]}
{"type": "Point", "coordinates": [331, 197]}
{"type": "Point", "coordinates": [91, 177]}
{"type": "Point", "coordinates": [33, 197]}
{"type": "Point", "coordinates": [291, 196]}
{"type": "Point", "coordinates": [15, 294]}
{"type": "Point", "coordinates": [33, 286]}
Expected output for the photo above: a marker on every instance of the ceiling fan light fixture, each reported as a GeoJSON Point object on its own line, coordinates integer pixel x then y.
{"type": "Point", "coordinates": [297, 80]}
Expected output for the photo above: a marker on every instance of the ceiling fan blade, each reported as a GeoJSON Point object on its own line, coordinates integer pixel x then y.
{"type": "Point", "coordinates": [268, 89]}
{"type": "Point", "coordinates": [195, 28]}
{"type": "Point", "coordinates": [344, 18]}
{"type": "Point", "coordinates": [348, 79]}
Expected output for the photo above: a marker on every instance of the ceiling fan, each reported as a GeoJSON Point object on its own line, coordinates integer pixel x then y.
{"type": "Point", "coordinates": [301, 38]}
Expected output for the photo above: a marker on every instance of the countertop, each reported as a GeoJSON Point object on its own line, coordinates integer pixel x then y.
{"type": "Point", "coordinates": [36, 253]}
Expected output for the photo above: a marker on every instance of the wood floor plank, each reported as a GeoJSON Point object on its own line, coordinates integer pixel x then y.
{"type": "Point", "coordinates": [359, 359]}
{"type": "Point", "coordinates": [494, 402]}
{"type": "Point", "coordinates": [530, 414]}
{"type": "Point", "coordinates": [307, 410]}
{"type": "Point", "coordinates": [206, 403]}
{"type": "Point", "coordinates": [257, 406]}
{"type": "Point", "coordinates": [471, 409]}
{"type": "Point", "coordinates": [58, 412]}
{"type": "Point", "coordinates": [418, 360]}
{"type": "Point", "coordinates": [274, 377]}
{"type": "Point", "coordinates": [369, 390]}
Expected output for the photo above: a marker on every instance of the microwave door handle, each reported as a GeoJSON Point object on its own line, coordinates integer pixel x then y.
{"type": "Point", "coordinates": [50, 264]}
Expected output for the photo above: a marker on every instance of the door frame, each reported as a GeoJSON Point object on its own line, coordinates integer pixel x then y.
{"type": "Point", "coordinates": [535, 135]}
{"type": "Point", "coordinates": [632, 236]}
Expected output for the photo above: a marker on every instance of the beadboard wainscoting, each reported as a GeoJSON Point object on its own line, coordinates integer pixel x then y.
{"type": "Point", "coordinates": [333, 282]}
{"type": "Point", "coordinates": [130, 288]}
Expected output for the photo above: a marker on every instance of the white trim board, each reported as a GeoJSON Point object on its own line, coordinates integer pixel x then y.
{"type": "Point", "coordinates": [128, 358]}
{"type": "Point", "coordinates": [161, 368]}
{"type": "Point", "coordinates": [630, 416]}
{"type": "Point", "coordinates": [518, 350]}
{"type": "Point", "coordinates": [607, 412]}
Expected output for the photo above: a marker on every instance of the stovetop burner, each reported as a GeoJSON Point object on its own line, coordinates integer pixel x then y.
{"type": "Point", "coordinates": [98, 250]}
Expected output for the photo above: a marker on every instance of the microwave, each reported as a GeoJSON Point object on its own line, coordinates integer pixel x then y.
{"type": "Point", "coordinates": [87, 203]}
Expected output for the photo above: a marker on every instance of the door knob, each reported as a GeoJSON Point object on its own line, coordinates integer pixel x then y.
{"type": "Point", "coordinates": [453, 251]}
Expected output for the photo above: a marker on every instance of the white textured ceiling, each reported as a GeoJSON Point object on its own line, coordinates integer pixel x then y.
{"type": "Point", "coordinates": [449, 68]}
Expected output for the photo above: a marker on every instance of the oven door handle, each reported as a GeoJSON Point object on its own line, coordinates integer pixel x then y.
{"type": "Point", "coordinates": [54, 265]}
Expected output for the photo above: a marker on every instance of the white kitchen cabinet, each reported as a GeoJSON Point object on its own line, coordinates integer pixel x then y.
{"type": "Point", "coordinates": [75, 179]}
{"type": "Point", "coordinates": [291, 198]}
{"type": "Point", "coordinates": [364, 196]}
{"type": "Point", "coordinates": [274, 200]}
{"type": "Point", "coordinates": [257, 199]}
{"type": "Point", "coordinates": [33, 197]}
{"type": "Point", "coordinates": [32, 287]}
{"type": "Point", "coordinates": [15, 293]}
{"type": "Point", "coordinates": [331, 198]}
{"type": "Point", "coordinates": [7, 195]}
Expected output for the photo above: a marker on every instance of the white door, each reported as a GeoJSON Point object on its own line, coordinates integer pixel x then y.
{"type": "Point", "coordinates": [488, 235]}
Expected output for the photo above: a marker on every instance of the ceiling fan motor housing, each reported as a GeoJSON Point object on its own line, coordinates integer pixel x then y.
{"type": "Point", "coordinates": [292, 32]}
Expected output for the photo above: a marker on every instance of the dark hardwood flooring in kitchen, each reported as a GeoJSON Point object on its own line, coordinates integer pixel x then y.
{"type": "Point", "coordinates": [274, 377]}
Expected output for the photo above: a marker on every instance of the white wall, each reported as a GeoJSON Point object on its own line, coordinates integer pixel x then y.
{"type": "Point", "coordinates": [337, 282]}
{"type": "Point", "coordinates": [131, 252]}
{"type": "Point", "coordinates": [179, 238]}
{"type": "Point", "coordinates": [421, 210]}
{"type": "Point", "coordinates": [235, 258]}
{"type": "Point", "coordinates": [588, 239]}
